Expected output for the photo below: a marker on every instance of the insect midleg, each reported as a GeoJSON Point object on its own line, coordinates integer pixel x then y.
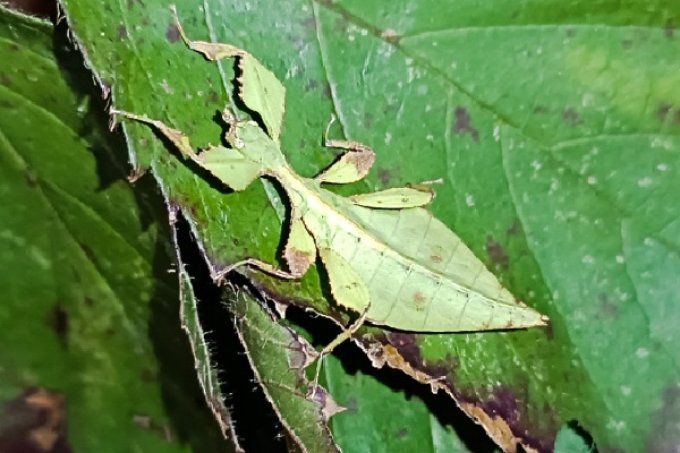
{"type": "Point", "coordinates": [263, 266]}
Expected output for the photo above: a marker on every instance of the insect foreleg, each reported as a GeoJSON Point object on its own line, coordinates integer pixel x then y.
{"type": "Point", "coordinates": [351, 166]}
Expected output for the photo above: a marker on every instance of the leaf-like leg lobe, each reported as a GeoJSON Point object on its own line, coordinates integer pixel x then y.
{"type": "Point", "coordinates": [352, 166]}
{"type": "Point", "coordinates": [259, 89]}
{"type": "Point", "coordinates": [300, 251]}
{"type": "Point", "coordinates": [348, 288]}
{"type": "Point", "coordinates": [395, 198]}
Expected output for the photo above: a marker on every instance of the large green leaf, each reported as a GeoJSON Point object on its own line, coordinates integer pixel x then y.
{"type": "Point", "coordinates": [553, 126]}
{"type": "Point", "coordinates": [88, 309]}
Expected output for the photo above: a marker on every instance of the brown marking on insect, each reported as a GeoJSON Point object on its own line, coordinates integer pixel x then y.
{"type": "Point", "coordinates": [36, 423]}
{"type": "Point", "coordinates": [419, 300]}
{"type": "Point", "coordinates": [436, 259]}
{"type": "Point", "coordinates": [172, 33]}
{"type": "Point", "coordinates": [571, 116]}
{"type": "Point", "coordinates": [298, 261]}
{"type": "Point", "coordinates": [362, 159]}
{"type": "Point", "coordinates": [496, 252]}
{"type": "Point", "coordinates": [463, 125]}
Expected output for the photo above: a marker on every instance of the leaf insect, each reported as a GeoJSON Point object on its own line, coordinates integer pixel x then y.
{"type": "Point", "coordinates": [386, 258]}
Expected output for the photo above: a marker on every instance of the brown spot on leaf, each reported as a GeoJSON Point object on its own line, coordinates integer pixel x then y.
{"type": "Point", "coordinates": [327, 90]}
{"type": "Point", "coordinates": [384, 175]}
{"type": "Point", "coordinates": [665, 431]}
{"type": "Point", "coordinates": [300, 353]}
{"type": "Point", "coordinates": [131, 3]}
{"type": "Point", "coordinates": [31, 178]}
{"type": "Point", "coordinates": [495, 426]}
{"type": "Point", "coordinates": [436, 259]}
{"type": "Point", "coordinates": [663, 110]}
{"type": "Point", "coordinates": [309, 22]}
{"type": "Point", "coordinates": [172, 33]}
{"type": "Point", "coordinates": [148, 375]}
{"type": "Point", "coordinates": [607, 307]}
{"type": "Point", "coordinates": [146, 422]}
{"type": "Point", "coordinates": [463, 125]}
{"type": "Point", "coordinates": [669, 30]}
{"type": "Point", "coordinates": [368, 119]}
{"type": "Point", "coordinates": [390, 36]}
{"type": "Point", "coordinates": [325, 401]}
{"type": "Point", "coordinates": [515, 229]}
{"type": "Point", "coordinates": [496, 252]}
{"type": "Point", "coordinates": [571, 116]}
{"type": "Point", "coordinates": [213, 96]}
{"type": "Point", "coordinates": [122, 32]}
{"type": "Point", "coordinates": [401, 433]}
{"type": "Point", "coordinates": [410, 361]}
{"type": "Point", "coordinates": [571, 32]}
{"type": "Point", "coordinates": [408, 347]}
{"type": "Point", "coordinates": [34, 422]}
{"type": "Point", "coordinates": [540, 109]}
{"type": "Point", "coordinates": [311, 85]}
{"type": "Point", "coordinates": [666, 111]}
{"type": "Point", "coordinates": [59, 322]}
{"type": "Point", "coordinates": [504, 411]}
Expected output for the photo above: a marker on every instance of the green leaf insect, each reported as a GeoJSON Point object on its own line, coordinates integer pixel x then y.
{"type": "Point", "coordinates": [387, 258]}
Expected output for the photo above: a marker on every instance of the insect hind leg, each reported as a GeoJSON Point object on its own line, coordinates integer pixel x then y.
{"type": "Point", "coordinates": [345, 335]}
